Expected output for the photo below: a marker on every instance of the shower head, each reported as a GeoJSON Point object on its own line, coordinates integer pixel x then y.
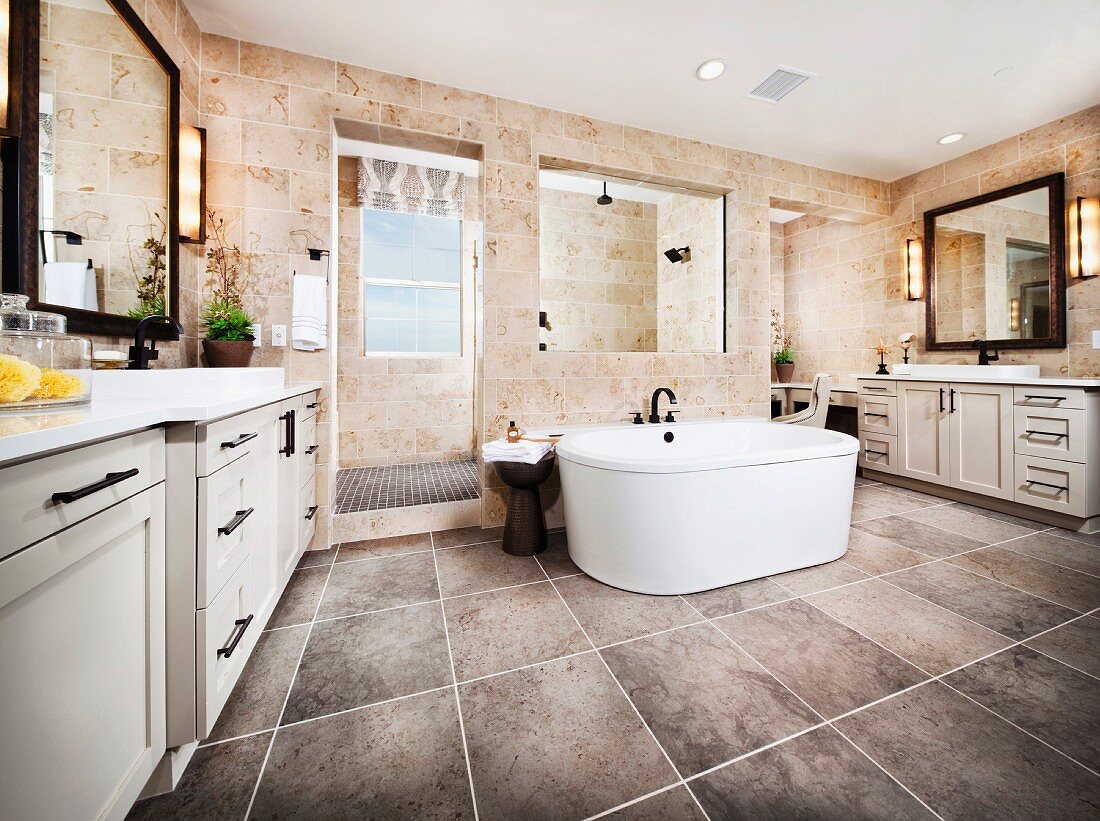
{"type": "Point", "coordinates": [604, 199]}
{"type": "Point", "coordinates": [679, 254]}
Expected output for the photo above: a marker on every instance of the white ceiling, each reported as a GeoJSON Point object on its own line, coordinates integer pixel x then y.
{"type": "Point", "coordinates": [892, 75]}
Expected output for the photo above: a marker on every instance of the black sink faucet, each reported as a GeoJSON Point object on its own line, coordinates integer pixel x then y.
{"type": "Point", "coordinates": [140, 356]}
{"type": "Point", "coordinates": [653, 415]}
{"type": "Point", "coordinates": [984, 357]}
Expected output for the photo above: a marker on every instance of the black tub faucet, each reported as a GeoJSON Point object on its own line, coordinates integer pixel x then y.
{"type": "Point", "coordinates": [984, 357]}
{"type": "Point", "coordinates": [653, 415]}
{"type": "Point", "coordinates": [140, 356]}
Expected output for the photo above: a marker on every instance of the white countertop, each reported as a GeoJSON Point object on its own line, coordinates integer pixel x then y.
{"type": "Point", "coordinates": [119, 406]}
{"type": "Point", "coordinates": [1037, 382]}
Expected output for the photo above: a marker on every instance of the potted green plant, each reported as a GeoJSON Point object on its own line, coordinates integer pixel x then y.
{"type": "Point", "coordinates": [782, 349]}
{"type": "Point", "coordinates": [228, 342]}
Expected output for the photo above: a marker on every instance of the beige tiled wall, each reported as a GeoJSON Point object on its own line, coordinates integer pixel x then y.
{"type": "Point", "coordinates": [844, 281]}
{"type": "Point", "coordinates": [597, 272]}
{"type": "Point", "coordinates": [689, 293]}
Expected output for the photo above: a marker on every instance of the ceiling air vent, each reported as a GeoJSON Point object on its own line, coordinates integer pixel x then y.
{"type": "Point", "coordinates": [781, 83]}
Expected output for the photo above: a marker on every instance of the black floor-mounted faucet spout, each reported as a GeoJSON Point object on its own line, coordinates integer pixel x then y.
{"type": "Point", "coordinates": [653, 415]}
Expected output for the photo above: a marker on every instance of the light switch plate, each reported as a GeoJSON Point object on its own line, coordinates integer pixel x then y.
{"type": "Point", "coordinates": [1096, 339]}
{"type": "Point", "coordinates": [278, 336]}
{"type": "Point", "coordinates": [258, 332]}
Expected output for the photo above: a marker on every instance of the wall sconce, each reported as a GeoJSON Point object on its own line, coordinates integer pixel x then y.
{"type": "Point", "coordinates": [192, 182]}
{"type": "Point", "coordinates": [1084, 237]}
{"type": "Point", "coordinates": [1014, 314]}
{"type": "Point", "coordinates": [5, 61]}
{"type": "Point", "coordinates": [914, 269]}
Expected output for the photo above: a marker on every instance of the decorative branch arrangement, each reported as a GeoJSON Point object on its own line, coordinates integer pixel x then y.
{"type": "Point", "coordinates": [151, 285]}
{"type": "Point", "coordinates": [229, 336]}
{"type": "Point", "coordinates": [782, 342]}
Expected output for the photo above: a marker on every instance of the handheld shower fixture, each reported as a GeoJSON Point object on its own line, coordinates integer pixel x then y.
{"type": "Point", "coordinates": [604, 199]}
{"type": "Point", "coordinates": [679, 254]}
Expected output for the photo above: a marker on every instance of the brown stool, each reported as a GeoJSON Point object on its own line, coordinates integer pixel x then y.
{"type": "Point", "coordinates": [525, 524]}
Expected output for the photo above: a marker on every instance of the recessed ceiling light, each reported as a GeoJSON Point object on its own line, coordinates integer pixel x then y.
{"type": "Point", "coordinates": [951, 138]}
{"type": "Point", "coordinates": [710, 70]}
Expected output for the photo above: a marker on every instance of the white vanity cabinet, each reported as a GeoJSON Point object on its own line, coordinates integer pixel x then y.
{"type": "Point", "coordinates": [82, 629]}
{"type": "Point", "coordinates": [1036, 446]}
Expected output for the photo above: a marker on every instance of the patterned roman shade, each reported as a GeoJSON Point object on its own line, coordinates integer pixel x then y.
{"type": "Point", "coordinates": [411, 189]}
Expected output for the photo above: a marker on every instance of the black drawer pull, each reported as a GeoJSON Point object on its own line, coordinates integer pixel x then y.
{"type": "Point", "coordinates": [312, 513]}
{"type": "Point", "coordinates": [1046, 433]}
{"type": "Point", "coordinates": [1046, 484]}
{"type": "Point", "coordinates": [104, 483]}
{"type": "Point", "coordinates": [876, 452]}
{"type": "Point", "coordinates": [227, 651]}
{"type": "Point", "coordinates": [873, 388]}
{"type": "Point", "coordinates": [879, 415]}
{"type": "Point", "coordinates": [288, 449]}
{"type": "Point", "coordinates": [240, 440]}
{"type": "Point", "coordinates": [235, 522]}
{"type": "Point", "coordinates": [313, 405]}
{"type": "Point", "coordinates": [1047, 398]}
{"type": "Point", "coordinates": [941, 400]}
{"type": "Point", "coordinates": [312, 449]}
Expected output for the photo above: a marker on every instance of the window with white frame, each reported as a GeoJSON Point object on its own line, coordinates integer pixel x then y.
{"type": "Point", "coordinates": [411, 267]}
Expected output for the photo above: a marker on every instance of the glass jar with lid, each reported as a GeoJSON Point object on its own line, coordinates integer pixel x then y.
{"type": "Point", "coordinates": [41, 366]}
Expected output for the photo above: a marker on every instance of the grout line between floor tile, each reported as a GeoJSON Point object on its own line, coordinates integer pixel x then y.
{"type": "Point", "coordinates": [289, 690]}
{"type": "Point", "coordinates": [454, 683]}
{"type": "Point", "coordinates": [1056, 564]}
{"type": "Point", "coordinates": [633, 706]}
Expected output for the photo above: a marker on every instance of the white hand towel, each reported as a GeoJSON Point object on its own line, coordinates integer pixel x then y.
{"type": "Point", "coordinates": [71, 284]}
{"type": "Point", "coordinates": [524, 451]}
{"type": "Point", "coordinates": [309, 315]}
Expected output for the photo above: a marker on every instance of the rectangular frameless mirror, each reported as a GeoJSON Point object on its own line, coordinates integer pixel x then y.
{"type": "Point", "coordinates": [626, 265]}
{"type": "Point", "coordinates": [994, 265]}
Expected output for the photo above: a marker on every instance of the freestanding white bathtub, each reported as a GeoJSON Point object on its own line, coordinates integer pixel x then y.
{"type": "Point", "coordinates": [680, 508]}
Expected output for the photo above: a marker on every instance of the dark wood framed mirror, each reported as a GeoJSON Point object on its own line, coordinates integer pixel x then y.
{"type": "Point", "coordinates": [96, 166]}
{"type": "Point", "coordinates": [994, 269]}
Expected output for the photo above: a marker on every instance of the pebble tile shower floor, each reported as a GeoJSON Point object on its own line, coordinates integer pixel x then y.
{"type": "Point", "coordinates": [948, 666]}
{"type": "Point", "coordinates": [390, 486]}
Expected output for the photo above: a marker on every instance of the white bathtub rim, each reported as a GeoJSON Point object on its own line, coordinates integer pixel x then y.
{"type": "Point", "coordinates": [841, 445]}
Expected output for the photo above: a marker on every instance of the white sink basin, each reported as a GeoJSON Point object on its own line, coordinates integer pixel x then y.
{"type": "Point", "coordinates": [1003, 373]}
{"type": "Point", "coordinates": [176, 382]}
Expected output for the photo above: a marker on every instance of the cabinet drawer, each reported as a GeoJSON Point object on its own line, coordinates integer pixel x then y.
{"type": "Point", "coordinates": [878, 414]}
{"type": "Point", "coordinates": [96, 477]}
{"type": "Point", "coordinates": [307, 522]}
{"type": "Point", "coordinates": [1043, 397]}
{"type": "Point", "coordinates": [1051, 484]}
{"type": "Point", "coordinates": [308, 446]}
{"type": "Point", "coordinates": [222, 442]}
{"type": "Point", "coordinates": [878, 452]}
{"type": "Point", "coordinates": [1058, 433]}
{"type": "Point", "coordinates": [225, 634]}
{"type": "Point", "coordinates": [877, 387]}
{"type": "Point", "coordinates": [229, 511]}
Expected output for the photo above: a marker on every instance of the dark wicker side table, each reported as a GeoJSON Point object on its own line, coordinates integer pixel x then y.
{"type": "Point", "coordinates": [525, 524]}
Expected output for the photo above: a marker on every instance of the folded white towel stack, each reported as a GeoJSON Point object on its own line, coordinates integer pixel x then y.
{"type": "Point", "coordinates": [71, 284]}
{"type": "Point", "coordinates": [309, 315]}
{"type": "Point", "coordinates": [524, 451]}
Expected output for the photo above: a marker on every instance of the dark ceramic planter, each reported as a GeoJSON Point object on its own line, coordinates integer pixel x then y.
{"type": "Point", "coordinates": [221, 353]}
{"type": "Point", "coordinates": [785, 372]}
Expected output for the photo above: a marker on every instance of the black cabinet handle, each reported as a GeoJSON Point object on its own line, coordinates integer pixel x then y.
{"type": "Point", "coordinates": [235, 522]}
{"type": "Point", "coordinates": [875, 452]}
{"type": "Point", "coordinates": [227, 651]}
{"type": "Point", "coordinates": [240, 440]}
{"type": "Point", "coordinates": [941, 400]}
{"type": "Point", "coordinates": [1041, 396]}
{"type": "Point", "coordinates": [1046, 484]}
{"type": "Point", "coordinates": [312, 513]}
{"type": "Point", "coordinates": [952, 400]}
{"type": "Point", "coordinates": [313, 405]}
{"type": "Point", "coordinates": [288, 449]}
{"type": "Point", "coordinates": [104, 483]}
{"type": "Point", "coordinates": [879, 415]}
{"type": "Point", "coordinates": [873, 388]}
{"type": "Point", "coordinates": [312, 449]}
{"type": "Point", "coordinates": [1046, 433]}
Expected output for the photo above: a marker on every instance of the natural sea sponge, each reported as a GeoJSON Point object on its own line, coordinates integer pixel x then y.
{"type": "Point", "coordinates": [18, 378]}
{"type": "Point", "coordinates": [57, 384]}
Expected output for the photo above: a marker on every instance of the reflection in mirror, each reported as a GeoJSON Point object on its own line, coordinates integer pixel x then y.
{"type": "Point", "coordinates": [103, 163]}
{"type": "Point", "coordinates": [629, 266]}
{"type": "Point", "coordinates": [992, 270]}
